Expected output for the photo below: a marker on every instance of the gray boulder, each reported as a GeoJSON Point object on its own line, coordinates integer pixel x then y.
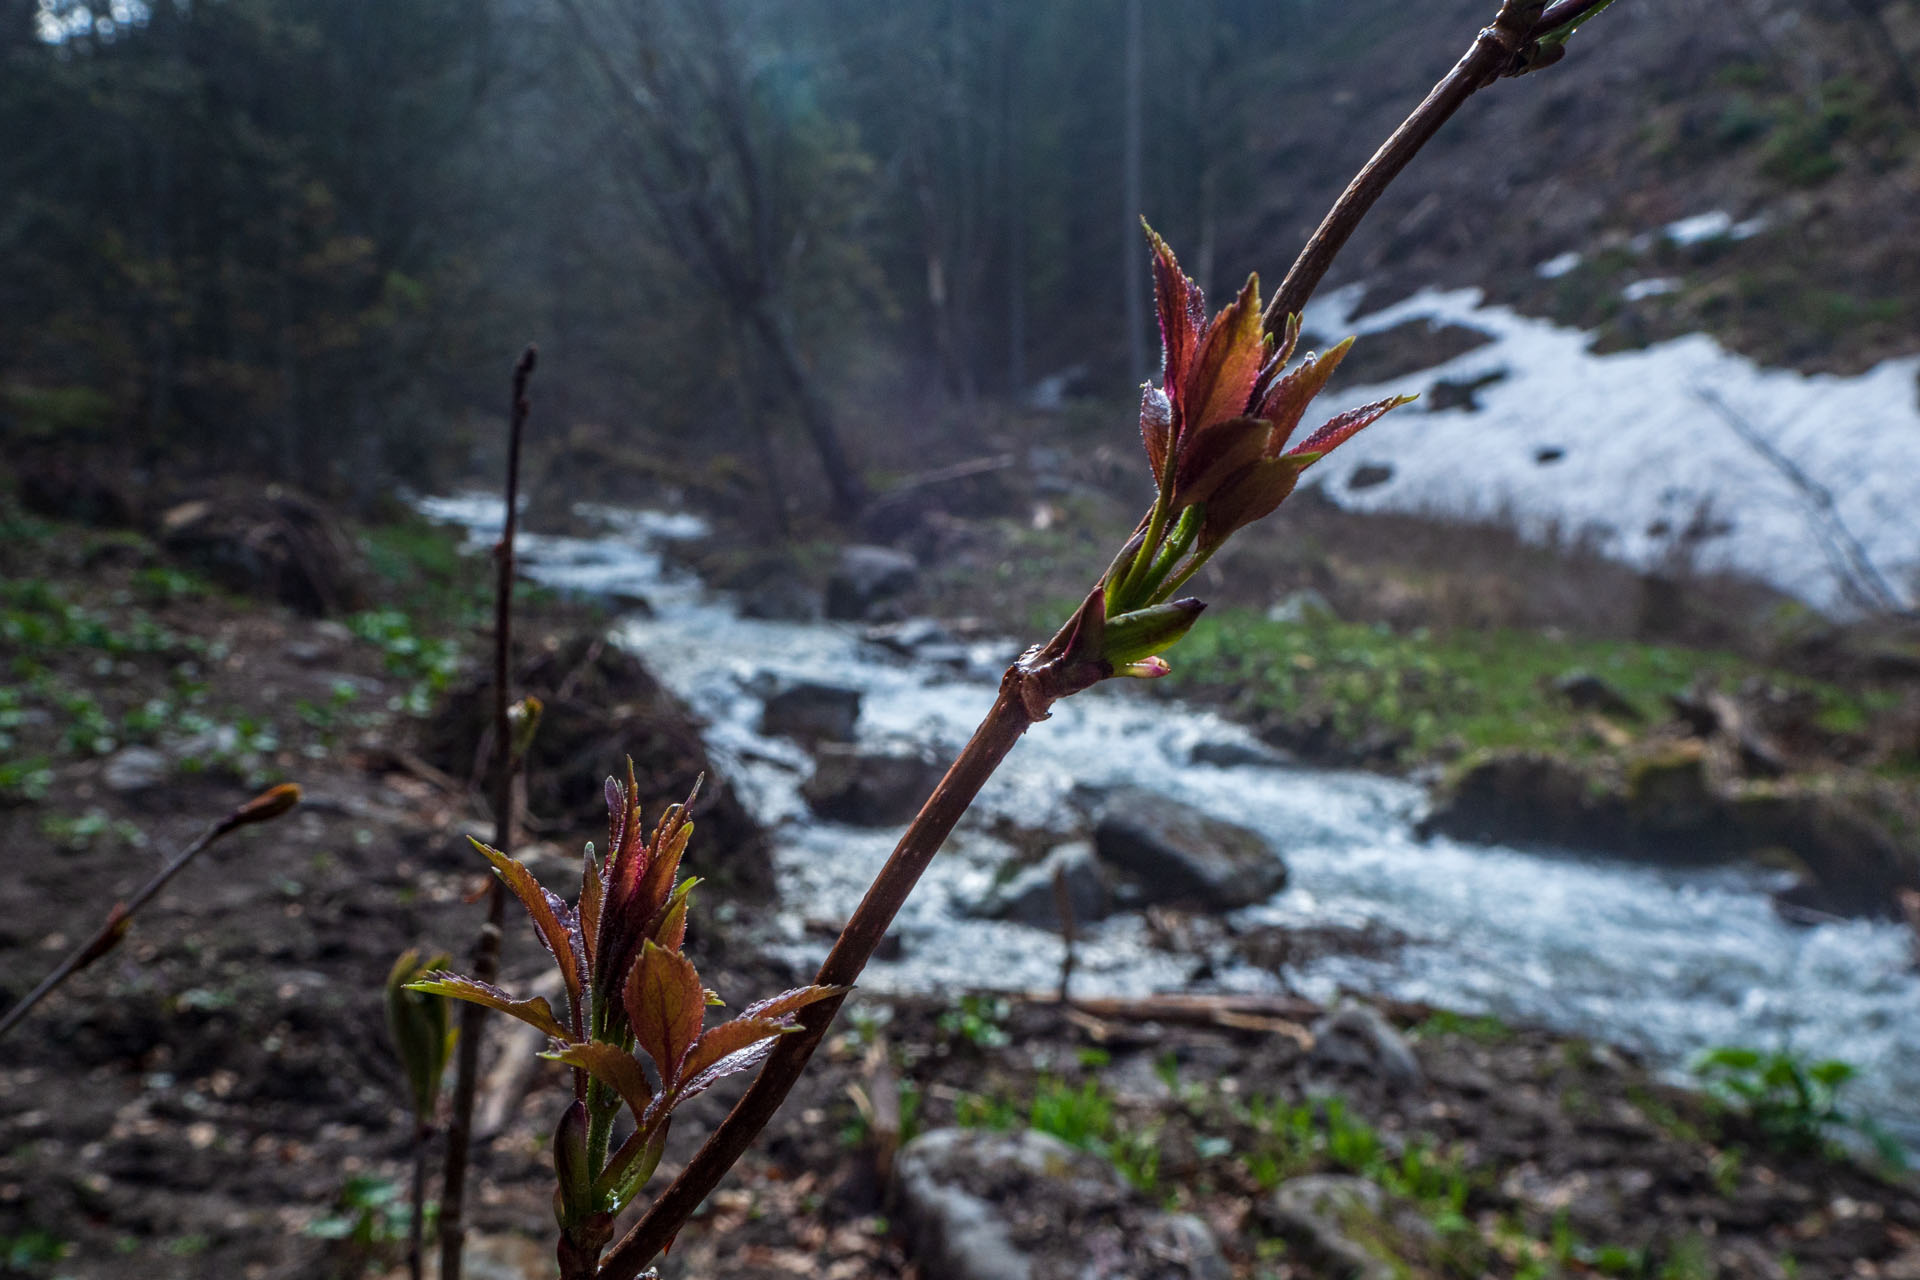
{"type": "Point", "coordinates": [812, 713]}
{"type": "Point", "coordinates": [1229, 755]}
{"type": "Point", "coordinates": [1179, 856]}
{"type": "Point", "coordinates": [134, 769]}
{"type": "Point", "coordinates": [1025, 1206]}
{"type": "Point", "coordinates": [1028, 898]}
{"type": "Point", "coordinates": [867, 576]}
{"type": "Point", "coordinates": [871, 786]}
{"type": "Point", "coordinates": [1317, 1215]}
{"type": "Point", "coordinates": [1356, 1036]}
{"type": "Point", "coordinates": [942, 1181]}
{"type": "Point", "coordinates": [1185, 1244]}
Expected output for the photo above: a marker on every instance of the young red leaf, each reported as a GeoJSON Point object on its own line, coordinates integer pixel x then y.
{"type": "Point", "coordinates": [666, 1007]}
{"type": "Point", "coordinates": [669, 845]}
{"type": "Point", "coordinates": [1254, 493]}
{"type": "Point", "coordinates": [614, 1067]}
{"type": "Point", "coordinates": [671, 932]}
{"type": "Point", "coordinates": [734, 1063]}
{"type": "Point", "coordinates": [1344, 426]}
{"type": "Point", "coordinates": [627, 859]}
{"type": "Point", "coordinates": [1182, 310]}
{"type": "Point", "coordinates": [1230, 358]}
{"type": "Point", "coordinates": [730, 1038]}
{"type": "Point", "coordinates": [791, 1002]}
{"type": "Point", "coordinates": [593, 892]}
{"type": "Point", "coordinates": [1287, 399]}
{"type": "Point", "coordinates": [536, 1012]}
{"type": "Point", "coordinates": [551, 917]}
{"type": "Point", "coordinates": [1282, 352]}
{"type": "Point", "coordinates": [1156, 429]}
{"type": "Point", "coordinates": [1213, 455]}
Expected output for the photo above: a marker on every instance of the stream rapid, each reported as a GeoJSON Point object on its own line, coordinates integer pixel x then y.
{"type": "Point", "coordinates": [1667, 962]}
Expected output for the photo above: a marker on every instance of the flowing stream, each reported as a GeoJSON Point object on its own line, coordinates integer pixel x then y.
{"type": "Point", "coordinates": [1669, 962]}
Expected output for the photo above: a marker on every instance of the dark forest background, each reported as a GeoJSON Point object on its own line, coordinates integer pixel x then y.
{"type": "Point", "coordinates": [304, 238]}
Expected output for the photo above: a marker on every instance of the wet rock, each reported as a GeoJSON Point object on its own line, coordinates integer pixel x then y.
{"type": "Point", "coordinates": [603, 706]}
{"type": "Point", "coordinates": [780, 600]}
{"type": "Point", "coordinates": [977, 1205]}
{"type": "Point", "coordinates": [810, 712]}
{"type": "Point", "coordinates": [1854, 864]}
{"type": "Point", "coordinates": [1524, 798]}
{"type": "Point", "coordinates": [1185, 1244]}
{"type": "Point", "coordinates": [1459, 393]}
{"type": "Point", "coordinates": [1394, 353]}
{"type": "Point", "coordinates": [954, 1231]}
{"type": "Point", "coordinates": [1179, 856]}
{"type": "Point", "coordinates": [1669, 792]}
{"type": "Point", "coordinates": [1028, 897]}
{"type": "Point", "coordinates": [273, 543]}
{"type": "Point", "coordinates": [871, 786]}
{"type": "Point", "coordinates": [1229, 755]}
{"type": "Point", "coordinates": [134, 769]}
{"type": "Point", "coordinates": [1356, 1036]}
{"type": "Point", "coordinates": [1588, 692]}
{"type": "Point", "coordinates": [1316, 1214]}
{"type": "Point", "coordinates": [908, 637]}
{"type": "Point", "coordinates": [1669, 808]}
{"type": "Point", "coordinates": [867, 577]}
{"type": "Point", "coordinates": [323, 642]}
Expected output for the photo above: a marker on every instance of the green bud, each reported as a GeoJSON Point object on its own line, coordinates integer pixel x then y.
{"type": "Point", "coordinates": [523, 721]}
{"type": "Point", "coordinates": [1146, 632]}
{"type": "Point", "coordinates": [421, 1030]}
{"type": "Point", "coordinates": [573, 1193]}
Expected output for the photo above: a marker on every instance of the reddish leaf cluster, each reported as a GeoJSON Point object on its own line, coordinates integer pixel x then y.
{"type": "Point", "coordinates": [1217, 429]}
{"type": "Point", "coordinates": [628, 987]}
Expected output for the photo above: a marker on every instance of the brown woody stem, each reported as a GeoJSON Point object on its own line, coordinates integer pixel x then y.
{"type": "Point", "coordinates": [486, 950]}
{"type": "Point", "coordinates": [417, 1208]}
{"type": "Point", "coordinates": [262, 808]}
{"type": "Point", "coordinates": [1493, 54]}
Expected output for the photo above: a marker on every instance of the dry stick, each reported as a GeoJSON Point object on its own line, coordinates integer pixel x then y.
{"type": "Point", "coordinates": [486, 951]}
{"type": "Point", "coordinates": [264, 807]}
{"type": "Point", "coordinates": [1498, 50]}
{"type": "Point", "coordinates": [417, 1218]}
{"type": "Point", "coordinates": [1495, 52]}
{"type": "Point", "coordinates": [1860, 578]}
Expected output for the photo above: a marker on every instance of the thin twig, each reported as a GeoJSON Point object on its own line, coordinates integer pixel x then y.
{"type": "Point", "coordinates": [417, 1221]}
{"type": "Point", "coordinates": [1497, 51]}
{"type": "Point", "coordinates": [264, 807]}
{"type": "Point", "coordinates": [486, 951]}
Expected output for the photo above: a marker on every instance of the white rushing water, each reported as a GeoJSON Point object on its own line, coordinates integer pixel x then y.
{"type": "Point", "coordinates": [1670, 962]}
{"type": "Point", "coordinates": [1637, 441]}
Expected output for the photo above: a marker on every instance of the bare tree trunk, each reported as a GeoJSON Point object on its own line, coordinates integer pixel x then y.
{"type": "Point", "coordinates": [749, 392]}
{"type": "Point", "coordinates": [849, 492]}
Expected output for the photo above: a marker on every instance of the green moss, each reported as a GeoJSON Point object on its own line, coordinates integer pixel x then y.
{"type": "Point", "coordinates": [1451, 697]}
{"type": "Point", "coordinates": [1441, 695]}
